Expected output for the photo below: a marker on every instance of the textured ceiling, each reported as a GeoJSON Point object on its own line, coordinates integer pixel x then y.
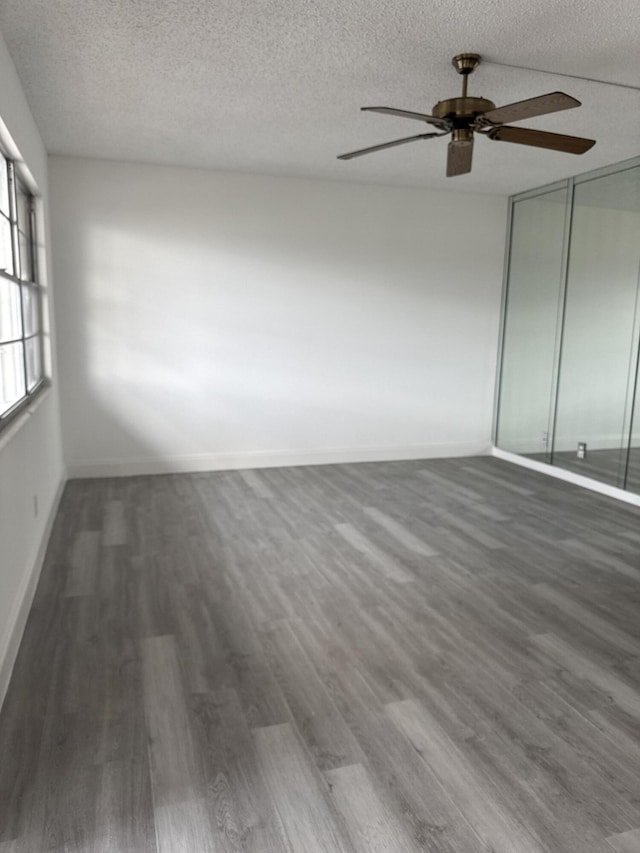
{"type": "Point", "coordinates": [275, 86]}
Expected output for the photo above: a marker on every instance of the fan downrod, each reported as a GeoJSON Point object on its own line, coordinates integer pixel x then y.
{"type": "Point", "coordinates": [462, 111]}
{"type": "Point", "coordinates": [465, 64]}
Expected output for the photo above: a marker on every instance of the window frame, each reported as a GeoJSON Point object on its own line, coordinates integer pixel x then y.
{"type": "Point", "coordinates": [17, 186]}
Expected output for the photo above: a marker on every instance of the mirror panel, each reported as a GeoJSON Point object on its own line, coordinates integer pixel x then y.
{"type": "Point", "coordinates": [530, 330]}
{"type": "Point", "coordinates": [597, 362]}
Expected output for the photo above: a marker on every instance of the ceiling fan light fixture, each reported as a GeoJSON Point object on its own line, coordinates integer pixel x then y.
{"type": "Point", "coordinates": [461, 136]}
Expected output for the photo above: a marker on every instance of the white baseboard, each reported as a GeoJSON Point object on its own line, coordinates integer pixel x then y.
{"type": "Point", "coordinates": [568, 476]}
{"type": "Point", "coordinates": [10, 642]}
{"type": "Point", "coordinates": [268, 459]}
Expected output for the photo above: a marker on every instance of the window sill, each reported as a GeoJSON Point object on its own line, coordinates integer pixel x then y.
{"type": "Point", "coordinates": [16, 423]}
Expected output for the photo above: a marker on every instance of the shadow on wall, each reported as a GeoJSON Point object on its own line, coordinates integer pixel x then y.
{"type": "Point", "coordinates": [273, 325]}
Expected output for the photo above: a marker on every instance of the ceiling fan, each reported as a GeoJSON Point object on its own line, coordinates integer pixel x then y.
{"type": "Point", "coordinates": [462, 117]}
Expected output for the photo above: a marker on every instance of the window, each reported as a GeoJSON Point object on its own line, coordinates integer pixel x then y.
{"type": "Point", "coordinates": [21, 362]}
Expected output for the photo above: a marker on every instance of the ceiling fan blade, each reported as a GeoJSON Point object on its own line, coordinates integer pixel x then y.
{"type": "Point", "coordinates": [551, 103]}
{"type": "Point", "coordinates": [384, 145]}
{"type": "Point", "coordinates": [459, 155]}
{"type": "Point", "coordinates": [391, 111]}
{"type": "Point", "coordinates": [542, 139]}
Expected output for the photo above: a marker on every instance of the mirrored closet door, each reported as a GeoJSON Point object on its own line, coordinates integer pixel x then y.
{"type": "Point", "coordinates": [568, 392]}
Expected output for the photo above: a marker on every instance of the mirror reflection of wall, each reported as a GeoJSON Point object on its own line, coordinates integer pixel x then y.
{"type": "Point", "coordinates": [599, 326]}
{"type": "Point", "coordinates": [572, 328]}
{"type": "Point", "coordinates": [529, 343]}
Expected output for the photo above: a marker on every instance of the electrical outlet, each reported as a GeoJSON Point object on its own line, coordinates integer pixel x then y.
{"type": "Point", "coordinates": [545, 437]}
{"type": "Point", "coordinates": [582, 449]}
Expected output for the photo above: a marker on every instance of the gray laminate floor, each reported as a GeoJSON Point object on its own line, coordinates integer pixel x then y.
{"type": "Point", "coordinates": [414, 656]}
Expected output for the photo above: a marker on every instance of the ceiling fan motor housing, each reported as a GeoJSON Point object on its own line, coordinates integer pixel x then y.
{"type": "Point", "coordinates": [462, 112]}
{"type": "Point", "coordinates": [462, 108]}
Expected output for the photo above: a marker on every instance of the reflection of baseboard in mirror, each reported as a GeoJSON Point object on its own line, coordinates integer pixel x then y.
{"type": "Point", "coordinates": [591, 442]}
{"type": "Point", "coordinates": [534, 445]}
{"type": "Point", "coordinates": [577, 477]}
{"type": "Point", "coordinates": [605, 465]}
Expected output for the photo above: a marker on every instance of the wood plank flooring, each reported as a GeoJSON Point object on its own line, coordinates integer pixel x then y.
{"type": "Point", "coordinates": [436, 656]}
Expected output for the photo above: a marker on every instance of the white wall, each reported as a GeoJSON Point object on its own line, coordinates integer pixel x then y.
{"type": "Point", "coordinates": [212, 320]}
{"type": "Point", "coordinates": [31, 459]}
